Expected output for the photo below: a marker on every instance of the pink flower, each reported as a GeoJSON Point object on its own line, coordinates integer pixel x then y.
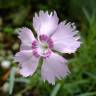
{"type": "Point", "coordinates": [52, 37]}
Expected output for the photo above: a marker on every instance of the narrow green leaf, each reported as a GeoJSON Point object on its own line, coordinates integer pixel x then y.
{"type": "Point", "coordinates": [88, 94]}
{"type": "Point", "coordinates": [86, 14]}
{"type": "Point", "coordinates": [22, 80]}
{"type": "Point", "coordinates": [12, 80]}
{"type": "Point", "coordinates": [55, 90]}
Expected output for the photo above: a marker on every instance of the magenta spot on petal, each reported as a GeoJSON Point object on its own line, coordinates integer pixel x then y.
{"type": "Point", "coordinates": [43, 37]}
{"type": "Point", "coordinates": [34, 44]}
{"type": "Point", "coordinates": [50, 43]}
{"type": "Point", "coordinates": [35, 53]}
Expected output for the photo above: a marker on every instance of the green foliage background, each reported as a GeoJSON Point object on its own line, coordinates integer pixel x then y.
{"type": "Point", "coordinates": [82, 64]}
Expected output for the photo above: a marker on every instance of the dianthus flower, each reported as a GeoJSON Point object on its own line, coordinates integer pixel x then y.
{"type": "Point", "coordinates": [52, 37]}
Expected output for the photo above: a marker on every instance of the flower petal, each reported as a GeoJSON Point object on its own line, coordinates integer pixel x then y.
{"type": "Point", "coordinates": [65, 38]}
{"type": "Point", "coordinates": [45, 23]}
{"type": "Point", "coordinates": [54, 67]}
{"type": "Point", "coordinates": [26, 36]}
{"type": "Point", "coordinates": [27, 62]}
{"type": "Point", "coordinates": [25, 47]}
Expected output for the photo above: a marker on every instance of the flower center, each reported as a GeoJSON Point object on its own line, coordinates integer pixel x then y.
{"type": "Point", "coordinates": [42, 47]}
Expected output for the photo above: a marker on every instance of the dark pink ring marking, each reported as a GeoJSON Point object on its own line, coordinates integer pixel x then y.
{"type": "Point", "coordinates": [46, 39]}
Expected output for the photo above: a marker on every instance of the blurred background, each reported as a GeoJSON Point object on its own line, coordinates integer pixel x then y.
{"type": "Point", "coordinates": [82, 64]}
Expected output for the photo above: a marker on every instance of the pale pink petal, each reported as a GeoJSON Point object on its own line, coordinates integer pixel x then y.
{"type": "Point", "coordinates": [25, 71]}
{"type": "Point", "coordinates": [65, 38]}
{"type": "Point", "coordinates": [25, 47]}
{"type": "Point", "coordinates": [26, 36]}
{"type": "Point", "coordinates": [54, 67]}
{"type": "Point", "coordinates": [27, 62]}
{"type": "Point", "coordinates": [45, 23]}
